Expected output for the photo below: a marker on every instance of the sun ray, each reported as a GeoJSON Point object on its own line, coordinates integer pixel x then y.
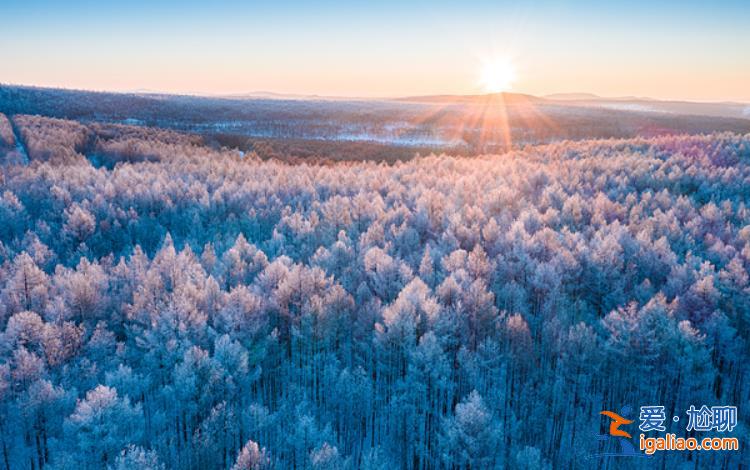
{"type": "Point", "coordinates": [488, 122]}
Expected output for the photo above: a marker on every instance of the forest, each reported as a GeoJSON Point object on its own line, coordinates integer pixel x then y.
{"type": "Point", "coordinates": [385, 129]}
{"type": "Point", "coordinates": [168, 302]}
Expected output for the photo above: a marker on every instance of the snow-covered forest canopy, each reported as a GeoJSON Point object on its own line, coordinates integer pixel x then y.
{"type": "Point", "coordinates": [165, 304]}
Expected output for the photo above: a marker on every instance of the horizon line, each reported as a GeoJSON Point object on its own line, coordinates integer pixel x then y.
{"type": "Point", "coordinates": [259, 94]}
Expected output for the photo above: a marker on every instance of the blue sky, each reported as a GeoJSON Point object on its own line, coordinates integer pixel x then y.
{"type": "Point", "coordinates": [690, 50]}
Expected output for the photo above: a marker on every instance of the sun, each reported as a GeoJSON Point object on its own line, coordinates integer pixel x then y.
{"type": "Point", "coordinates": [497, 75]}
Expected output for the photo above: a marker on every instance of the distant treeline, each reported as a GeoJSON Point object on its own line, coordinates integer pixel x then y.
{"type": "Point", "coordinates": [460, 127]}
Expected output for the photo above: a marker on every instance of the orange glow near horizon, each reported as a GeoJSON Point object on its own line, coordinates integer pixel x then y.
{"type": "Point", "coordinates": [485, 121]}
{"type": "Point", "coordinates": [381, 50]}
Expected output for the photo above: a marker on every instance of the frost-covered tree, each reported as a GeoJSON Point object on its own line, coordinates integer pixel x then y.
{"type": "Point", "coordinates": [101, 425]}
{"type": "Point", "coordinates": [472, 437]}
{"type": "Point", "coordinates": [168, 304]}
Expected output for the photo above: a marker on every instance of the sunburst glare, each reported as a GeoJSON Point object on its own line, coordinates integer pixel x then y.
{"type": "Point", "coordinates": [497, 75]}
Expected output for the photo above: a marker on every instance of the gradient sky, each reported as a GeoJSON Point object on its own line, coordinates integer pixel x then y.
{"type": "Point", "coordinates": [673, 50]}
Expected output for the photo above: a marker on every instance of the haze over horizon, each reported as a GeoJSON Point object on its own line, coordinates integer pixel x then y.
{"type": "Point", "coordinates": [262, 94]}
{"type": "Point", "coordinates": [692, 51]}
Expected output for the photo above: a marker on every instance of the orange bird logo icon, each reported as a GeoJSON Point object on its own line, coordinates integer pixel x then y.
{"type": "Point", "coordinates": [617, 420]}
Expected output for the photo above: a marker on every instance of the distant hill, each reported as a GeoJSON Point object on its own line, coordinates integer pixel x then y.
{"type": "Point", "coordinates": [270, 95]}
{"type": "Point", "coordinates": [504, 98]}
{"type": "Point", "coordinates": [590, 100]}
{"type": "Point", "coordinates": [593, 97]}
{"type": "Point", "coordinates": [471, 123]}
{"type": "Point", "coordinates": [572, 96]}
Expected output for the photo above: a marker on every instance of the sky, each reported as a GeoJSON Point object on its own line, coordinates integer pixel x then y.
{"type": "Point", "coordinates": [667, 49]}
